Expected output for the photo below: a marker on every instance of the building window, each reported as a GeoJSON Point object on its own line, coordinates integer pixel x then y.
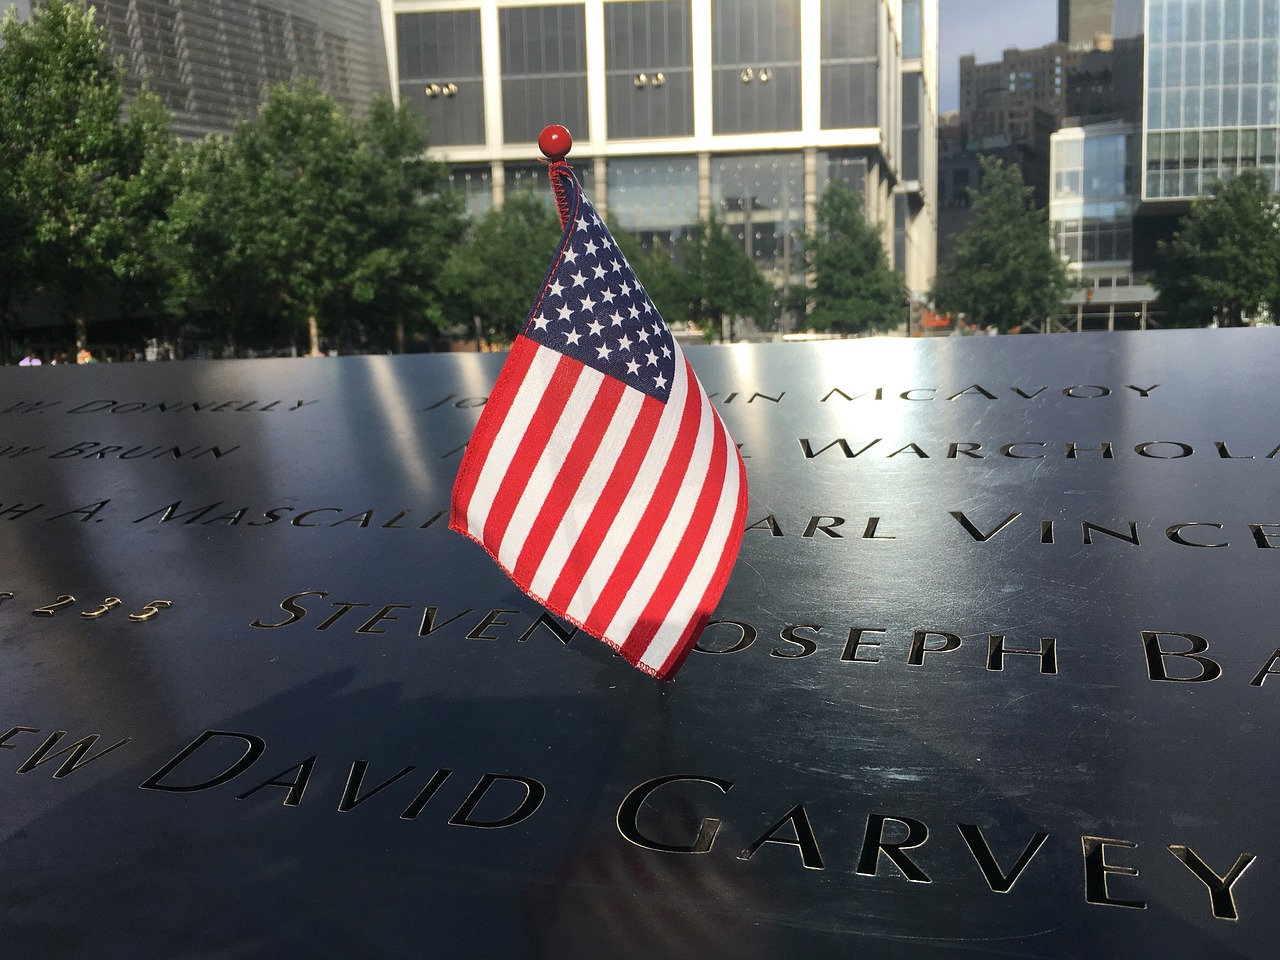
{"type": "Point", "coordinates": [850, 73]}
{"type": "Point", "coordinates": [901, 216]}
{"type": "Point", "coordinates": [440, 75]}
{"type": "Point", "coordinates": [649, 69]}
{"type": "Point", "coordinates": [544, 70]}
{"type": "Point", "coordinates": [476, 186]}
{"type": "Point", "coordinates": [755, 53]}
{"type": "Point", "coordinates": [911, 109]}
{"type": "Point", "coordinates": [910, 28]}
{"type": "Point", "coordinates": [849, 170]}
{"type": "Point", "coordinates": [533, 178]}
{"type": "Point", "coordinates": [760, 198]}
{"type": "Point", "coordinates": [655, 198]}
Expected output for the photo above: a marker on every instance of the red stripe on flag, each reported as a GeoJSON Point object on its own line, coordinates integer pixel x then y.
{"type": "Point", "coordinates": [688, 637]}
{"type": "Point", "coordinates": [595, 427]}
{"type": "Point", "coordinates": [533, 442]}
{"type": "Point", "coordinates": [630, 462]}
{"type": "Point", "coordinates": [655, 513]}
{"type": "Point", "coordinates": [478, 448]}
{"type": "Point", "coordinates": [686, 553]}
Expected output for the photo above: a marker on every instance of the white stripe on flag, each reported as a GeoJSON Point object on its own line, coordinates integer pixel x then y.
{"type": "Point", "coordinates": [553, 457]}
{"type": "Point", "coordinates": [691, 593]}
{"type": "Point", "coordinates": [568, 530]}
{"type": "Point", "coordinates": [507, 440]}
{"type": "Point", "coordinates": [649, 577]}
{"type": "Point", "coordinates": [627, 521]}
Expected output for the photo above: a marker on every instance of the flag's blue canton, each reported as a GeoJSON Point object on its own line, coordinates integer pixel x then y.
{"type": "Point", "coordinates": [595, 310]}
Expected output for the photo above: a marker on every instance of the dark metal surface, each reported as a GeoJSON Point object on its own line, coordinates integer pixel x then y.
{"type": "Point", "coordinates": [350, 736]}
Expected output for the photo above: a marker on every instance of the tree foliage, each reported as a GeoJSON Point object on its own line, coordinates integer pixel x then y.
{"type": "Point", "coordinates": [309, 222]}
{"type": "Point", "coordinates": [81, 177]}
{"type": "Point", "coordinates": [492, 278]}
{"type": "Point", "coordinates": [1003, 271]}
{"type": "Point", "coordinates": [720, 279]}
{"type": "Point", "coordinates": [854, 290]}
{"type": "Point", "coordinates": [1224, 259]}
{"type": "Point", "coordinates": [411, 223]}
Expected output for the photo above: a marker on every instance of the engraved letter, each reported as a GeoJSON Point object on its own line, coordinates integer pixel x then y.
{"type": "Point", "coordinates": [1257, 681]}
{"type": "Point", "coordinates": [816, 524]}
{"type": "Point", "coordinates": [997, 879]}
{"type": "Point", "coordinates": [978, 534]}
{"type": "Point", "coordinates": [77, 751]}
{"type": "Point", "coordinates": [1209, 668]}
{"type": "Point", "coordinates": [351, 796]}
{"type": "Point", "coordinates": [534, 794]}
{"type": "Point", "coordinates": [1174, 533]}
{"type": "Point", "coordinates": [788, 635]}
{"type": "Point", "coordinates": [629, 811]}
{"type": "Point", "coordinates": [1048, 653]}
{"type": "Point", "coordinates": [254, 750]}
{"type": "Point", "coordinates": [1096, 869]}
{"type": "Point", "coordinates": [917, 650]}
{"type": "Point", "coordinates": [873, 843]}
{"type": "Point", "coordinates": [295, 787]}
{"type": "Point", "coordinates": [289, 606]}
{"type": "Point", "coordinates": [1221, 900]}
{"type": "Point", "coordinates": [804, 838]}
{"type": "Point", "coordinates": [747, 637]}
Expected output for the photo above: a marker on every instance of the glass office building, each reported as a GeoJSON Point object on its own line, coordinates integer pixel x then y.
{"type": "Point", "coordinates": [212, 61]}
{"type": "Point", "coordinates": [1212, 94]}
{"type": "Point", "coordinates": [683, 108]}
{"type": "Point", "coordinates": [1092, 197]}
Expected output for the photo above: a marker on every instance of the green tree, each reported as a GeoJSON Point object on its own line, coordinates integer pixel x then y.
{"type": "Point", "coordinates": [156, 156]}
{"type": "Point", "coordinates": [309, 223]}
{"type": "Point", "coordinates": [1224, 259]}
{"type": "Point", "coordinates": [854, 289]}
{"type": "Point", "coordinates": [296, 166]}
{"type": "Point", "coordinates": [1003, 271]}
{"type": "Point", "coordinates": [208, 249]}
{"type": "Point", "coordinates": [492, 278]}
{"type": "Point", "coordinates": [722, 281]}
{"type": "Point", "coordinates": [80, 177]}
{"type": "Point", "coordinates": [410, 225]}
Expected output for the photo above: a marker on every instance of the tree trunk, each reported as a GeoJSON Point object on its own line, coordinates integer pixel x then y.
{"type": "Point", "coordinates": [399, 333]}
{"type": "Point", "coordinates": [313, 328]}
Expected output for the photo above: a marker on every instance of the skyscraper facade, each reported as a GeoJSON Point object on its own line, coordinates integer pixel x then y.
{"type": "Point", "coordinates": [682, 108]}
{"type": "Point", "coordinates": [213, 61]}
{"type": "Point", "coordinates": [1081, 22]}
{"type": "Point", "coordinates": [1212, 94]}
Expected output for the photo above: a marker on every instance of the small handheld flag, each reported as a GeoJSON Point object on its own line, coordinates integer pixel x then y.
{"type": "Point", "coordinates": [599, 476]}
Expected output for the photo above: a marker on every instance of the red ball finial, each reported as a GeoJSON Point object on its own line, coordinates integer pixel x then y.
{"type": "Point", "coordinates": [555, 142]}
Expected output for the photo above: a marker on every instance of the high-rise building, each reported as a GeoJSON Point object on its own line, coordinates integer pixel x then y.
{"type": "Point", "coordinates": [1212, 94]}
{"type": "Point", "coordinates": [1106, 83]}
{"type": "Point", "coordinates": [1082, 22]}
{"type": "Point", "coordinates": [1093, 196]}
{"type": "Point", "coordinates": [1127, 18]}
{"type": "Point", "coordinates": [681, 108]}
{"type": "Point", "coordinates": [998, 100]}
{"type": "Point", "coordinates": [1211, 106]}
{"type": "Point", "coordinates": [213, 61]}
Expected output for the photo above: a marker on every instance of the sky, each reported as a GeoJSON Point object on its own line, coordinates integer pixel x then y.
{"type": "Point", "coordinates": [986, 28]}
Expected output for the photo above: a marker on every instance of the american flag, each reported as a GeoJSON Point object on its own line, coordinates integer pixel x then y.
{"type": "Point", "coordinates": [600, 477]}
